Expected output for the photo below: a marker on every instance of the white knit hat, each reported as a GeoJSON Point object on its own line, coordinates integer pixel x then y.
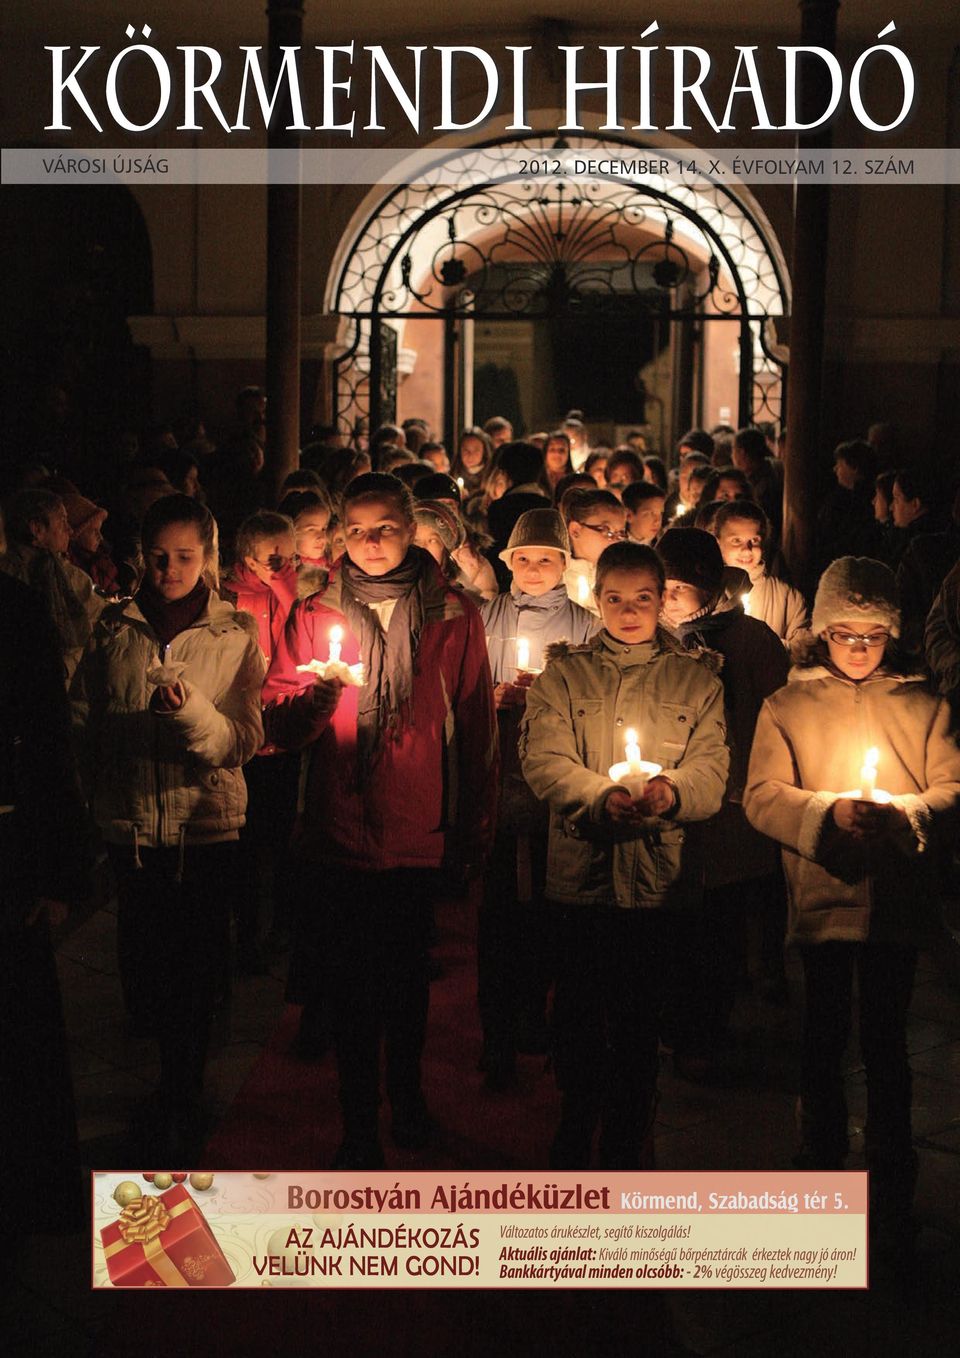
{"type": "Point", "coordinates": [858, 590]}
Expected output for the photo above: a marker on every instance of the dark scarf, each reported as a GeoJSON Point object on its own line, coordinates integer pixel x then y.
{"type": "Point", "coordinates": [384, 703]}
{"type": "Point", "coordinates": [169, 619]}
{"type": "Point", "coordinates": [697, 630]}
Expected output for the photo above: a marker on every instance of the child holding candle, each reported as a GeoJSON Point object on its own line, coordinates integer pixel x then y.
{"type": "Point", "coordinates": [613, 869]}
{"type": "Point", "coordinates": [743, 532]}
{"type": "Point", "coordinates": [858, 872]}
{"type": "Point", "coordinates": [400, 781]}
{"type": "Point", "coordinates": [513, 971]}
{"type": "Point", "coordinates": [168, 702]}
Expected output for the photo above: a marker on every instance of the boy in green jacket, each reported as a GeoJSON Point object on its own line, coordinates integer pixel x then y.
{"type": "Point", "coordinates": [614, 858]}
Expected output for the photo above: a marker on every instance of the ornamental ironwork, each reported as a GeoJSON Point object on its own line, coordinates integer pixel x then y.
{"type": "Point", "coordinates": [688, 246]}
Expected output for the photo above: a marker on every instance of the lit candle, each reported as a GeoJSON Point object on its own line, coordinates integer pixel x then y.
{"type": "Point", "coordinates": [681, 510]}
{"type": "Point", "coordinates": [633, 752]}
{"type": "Point", "coordinates": [633, 772]}
{"type": "Point", "coordinates": [336, 637]}
{"type": "Point", "coordinates": [868, 775]}
{"type": "Point", "coordinates": [745, 600]}
{"type": "Point", "coordinates": [583, 591]}
{"type": "Point", "coordinates": [523, 653]}
{"type": "Point", "coordinates": [460, 482]}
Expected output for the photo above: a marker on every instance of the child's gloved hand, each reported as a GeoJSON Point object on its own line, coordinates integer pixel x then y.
{"type": "Point", "coordinates": [659, 798]}
{"type": "Point", "coordinates": [620, 808]}
{"type": "Point", "coordinates": [868, 820]}
{"type": "Point", "coordinates": [509, 695]}
{"type": "Point", "coordinates": [326, 695]}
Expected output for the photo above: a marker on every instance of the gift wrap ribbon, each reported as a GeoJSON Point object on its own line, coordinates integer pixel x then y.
{"type": "Point", "coordinates": [142, 1223]}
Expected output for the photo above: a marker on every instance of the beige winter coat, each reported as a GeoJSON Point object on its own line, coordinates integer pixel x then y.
{"type": "Point", "coordinates": [808, 750]}
{"type": "Point", "coordinates": [573, 730]}
{"type": "Point", "coordinates": [159, 779]}
{"type": "Point", "coordinates": [781, 607]}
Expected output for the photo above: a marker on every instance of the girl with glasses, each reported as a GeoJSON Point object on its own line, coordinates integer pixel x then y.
{"type": "Point", "coordinates": [859, 865]}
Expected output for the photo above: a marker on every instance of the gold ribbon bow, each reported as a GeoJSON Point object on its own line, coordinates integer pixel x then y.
{"type": "Point", "coordinates": [143, 1220]}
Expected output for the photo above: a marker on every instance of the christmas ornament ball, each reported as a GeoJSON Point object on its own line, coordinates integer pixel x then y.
{"type": "Point", "coordinates": [162, 1180]}
{"type": "Point", "coordinates": [201, 1180]}
{"type": "Point", "coordinates": [127, 1192]}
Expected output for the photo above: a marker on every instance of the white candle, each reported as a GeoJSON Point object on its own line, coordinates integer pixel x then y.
{"type": "Point", "coordinates": [633, 751]}
{"type": "Point", "coordinates": [336, 637]}
{"type": "Point", "coordinates": [460, 482]}
{"type": "Point", "coordinates": [523, 653]}
{"type": "Point", "coordinates": [745, 600]}
{"type": "Point", "coordinates": [583, 590]}
{"type": "Point", "coordinates": [868, 775]}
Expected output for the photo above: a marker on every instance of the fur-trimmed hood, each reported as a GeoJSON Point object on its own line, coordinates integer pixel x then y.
{"type": "Point", "coordinates": [713, 660]}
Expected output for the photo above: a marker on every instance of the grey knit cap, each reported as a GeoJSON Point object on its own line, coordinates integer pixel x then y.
{"type": "Point", "coordinates": [538, 528]}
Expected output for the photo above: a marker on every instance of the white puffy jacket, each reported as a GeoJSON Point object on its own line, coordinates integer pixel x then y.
{"type": "Point", "coordinates": [165, 779]}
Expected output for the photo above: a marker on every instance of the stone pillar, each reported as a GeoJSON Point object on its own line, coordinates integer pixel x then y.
{"type": "Point", "coordinates": [285, 18]}
{"type": "Point", "coordinates": [809, 278]}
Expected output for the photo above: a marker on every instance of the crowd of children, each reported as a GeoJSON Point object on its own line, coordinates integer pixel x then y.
{"type": "Point", "coordinates": [536, 664]}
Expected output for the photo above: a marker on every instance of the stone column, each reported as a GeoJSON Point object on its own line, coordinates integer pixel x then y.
{"type": "Point", "coordinates": [809, 278]}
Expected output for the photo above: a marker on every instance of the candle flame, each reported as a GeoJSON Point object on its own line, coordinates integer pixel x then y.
{"type": "Point", "coordinates": [336, 634]}
{"type": "Point", "coordinates": [631, 737]}
{"type": "Point", "coordinates": [872, 758]}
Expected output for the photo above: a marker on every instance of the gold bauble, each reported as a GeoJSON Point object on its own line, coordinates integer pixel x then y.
{"type": "Point", "coordinates": [126, 1193]}
{"type": "Point", "coordinates": [201, 1180]}
{"type": "Point", "coordinates": [261, 1176]}
{"type": "Point", "coordinates": [162, 1180]}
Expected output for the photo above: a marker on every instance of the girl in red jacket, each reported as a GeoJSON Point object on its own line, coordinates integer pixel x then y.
{"type": "Point", "coordinates": [401, 781]}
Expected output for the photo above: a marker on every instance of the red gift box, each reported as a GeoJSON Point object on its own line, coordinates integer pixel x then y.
{"type": "Point", "coordinates": [164, 1242]}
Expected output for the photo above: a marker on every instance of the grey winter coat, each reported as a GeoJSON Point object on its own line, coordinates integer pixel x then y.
{"type": "Point", "coordinates": [541, 621]}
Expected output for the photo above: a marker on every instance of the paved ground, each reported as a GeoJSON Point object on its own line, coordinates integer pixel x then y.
{"type": "Point", "coordinates": [749, 1125]}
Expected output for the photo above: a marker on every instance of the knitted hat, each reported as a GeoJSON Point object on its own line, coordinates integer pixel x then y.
{"type": "Point", "coordinates": [80, 510]}
{"type": "Point", "coordinates": [858, 590]}
{"type": "Point", "coordinates": [543, 528]}
{"type": "Point", "coordinates": [693, 557]}
{"type": "Point", "coordinates": [443, 521]}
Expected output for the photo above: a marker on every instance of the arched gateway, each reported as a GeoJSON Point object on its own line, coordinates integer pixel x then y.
{"type": "Point", "coordinates": [681, 259]}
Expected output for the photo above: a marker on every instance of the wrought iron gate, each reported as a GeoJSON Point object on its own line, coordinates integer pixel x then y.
{"type": "Point", "coordinates": [692, 254]}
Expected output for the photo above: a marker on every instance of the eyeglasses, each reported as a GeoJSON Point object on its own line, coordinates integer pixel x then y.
{"type": "Point", "coordinates": [612, 534]}
{"type": "Point", "coordinates": [872, 639]}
